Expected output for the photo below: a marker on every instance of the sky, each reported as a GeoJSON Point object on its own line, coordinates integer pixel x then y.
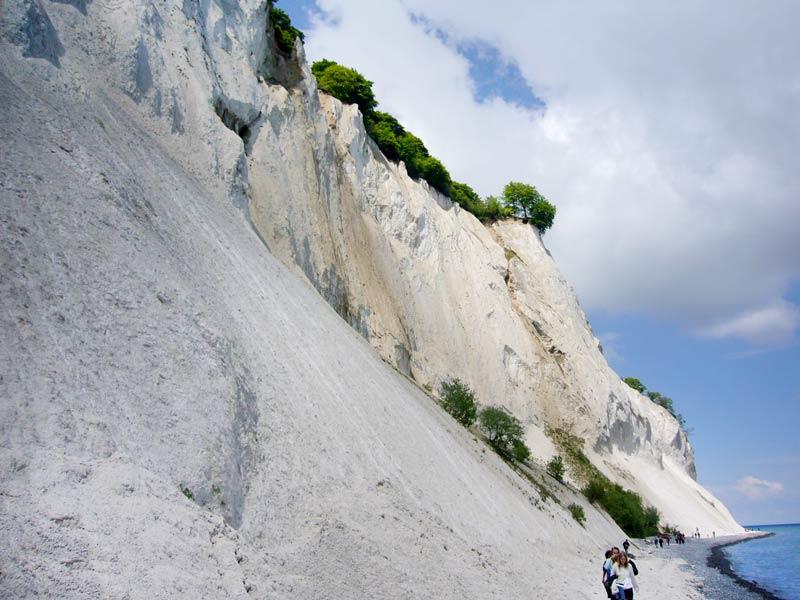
{"type": "Point", "coordinates": [668, 137]}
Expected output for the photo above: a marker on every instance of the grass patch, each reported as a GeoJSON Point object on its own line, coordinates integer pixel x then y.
{"type": "Point", "coordinates": [576, 510]}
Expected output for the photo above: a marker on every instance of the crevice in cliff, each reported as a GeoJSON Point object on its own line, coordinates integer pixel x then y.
{"type": "Point", "coordinates": [234, 122]}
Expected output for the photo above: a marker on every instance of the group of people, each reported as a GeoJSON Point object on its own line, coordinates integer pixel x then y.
{"type": "Point", "coordinates": [619, 573]}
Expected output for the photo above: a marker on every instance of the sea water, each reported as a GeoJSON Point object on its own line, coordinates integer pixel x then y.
{"type": "Point", "coordinates": [773, 562]}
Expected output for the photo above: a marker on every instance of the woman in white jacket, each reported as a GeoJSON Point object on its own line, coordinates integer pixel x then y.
{"type": "Point", "coordinates": [624, 580]}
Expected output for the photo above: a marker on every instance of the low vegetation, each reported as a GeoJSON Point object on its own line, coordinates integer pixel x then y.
{"type": "Point", "coordinates": [663, 401]}
{"type": "Point", "coordinates": [187, 492]}
{"type": "Point", "coordinates": [459, 400]}
{"type": "Point", "coordinates": [556, 468]}
{"type": "Point", "coordinates": [285, 33]}
{"type": "Point", "coordinates": [624, 506]}
{"type": "Point", "coordinates": [504, 432]}
{"type": "Point", "coordinates": [576, 510]}
{"type": "Point", "coordinates": [399, 144]}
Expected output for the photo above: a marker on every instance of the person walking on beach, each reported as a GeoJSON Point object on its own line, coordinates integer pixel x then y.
{"type": "Point", "coordinates": [624, 578]}
{"type": "Point", "coordinates": [661, 542]}
{"type": "Point", "coordinates": [607, 573]}
{"type": "Point", "coordinates": [625, 545]}
{"type": "Point", "coordinates": [608, 566]}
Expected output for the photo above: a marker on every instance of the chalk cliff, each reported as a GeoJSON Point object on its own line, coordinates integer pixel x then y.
{"type": "Point", "coordinates": [184, 412]}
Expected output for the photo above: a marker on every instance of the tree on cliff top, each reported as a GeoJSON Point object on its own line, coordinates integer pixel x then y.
{"type": "Point", "coordinates": [635, 384]}
{"type": "Point", "coordinates": [285, 33]}
{"type": "Point", "coordinates": [528, 203]}
{"type": "Point", "coordinates": [350, 86]}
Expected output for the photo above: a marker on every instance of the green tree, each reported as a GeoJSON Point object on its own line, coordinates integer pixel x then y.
{"type": "Point", "coordinates": [556, 468]}
{"type": "Point", "coordinates": [544, 214]}
{"type": "Point", "coordinates": [285, 33]}
{"type": "Point", "coordinates": [412, 151]}
{"type": "Point", "coordinates": [348, 85]}
{"type": "Point", "coordinates": [594, 490]}
{"type": "Point", "coordinates": [464, 196]}
{"type": "Point", "coordinates": [526, 202]}
{"type": "Point", "coordinates": [503, 429]}
{"type": "Point", "coordinates": [459, 400]}
{"type": "Point", "coordinates": [434, 172]}
{"type": "Point", "coordinates": [493, 209]}
{"type": "Point", "coordinates": [319, 66]}
{"type": "Point", "coordinates": [635, 384]}
{"type": "Point", "coordinates": [519, 451]}
{"type": "Point", "coordinates": [383, 135]}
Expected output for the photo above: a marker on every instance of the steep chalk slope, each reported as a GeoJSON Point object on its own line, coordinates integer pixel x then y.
{"type": "Point", "coordinates": [439, 295]}
{"type": "Point", "coordinates": [183, 417]}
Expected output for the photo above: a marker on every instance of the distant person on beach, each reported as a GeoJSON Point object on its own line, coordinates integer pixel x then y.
{"type": "Point", "coordinates": [624, 578]}
{"type": "Point", "coordinates": [661, 542]}
{"type": "Point", "coordinates": [626, 544]}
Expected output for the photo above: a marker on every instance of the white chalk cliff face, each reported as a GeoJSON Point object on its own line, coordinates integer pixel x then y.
{"type": "Point", "coordinates": [440, 295]}
{"type": "Point", "coordinates": [184, 416]}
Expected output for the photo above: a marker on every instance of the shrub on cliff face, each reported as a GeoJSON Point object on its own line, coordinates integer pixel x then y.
{"type": "Point", "coordinates": [556, 468]}
{"type": "Point", "coordinates": [285, 33]}
{"type": "Point", "coordinates": [624, 506]}
{"type": "Point", "coordinates": [577, 513]}
{"type": "Point", "coordinates": [459, 400]}
{"type": "Point", "coordinates": [503, 430]}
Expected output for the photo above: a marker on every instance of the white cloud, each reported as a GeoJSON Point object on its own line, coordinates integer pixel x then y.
{"type": "Point", "coordinates": [769, 325]}
{"type": "Point", "coordinates": [669, 141]}
{"type": "Point", "coordinates": [754, 488]}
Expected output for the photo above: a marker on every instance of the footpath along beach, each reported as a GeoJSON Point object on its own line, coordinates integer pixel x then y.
{"type": "Point", "coordinates": [708, 567]}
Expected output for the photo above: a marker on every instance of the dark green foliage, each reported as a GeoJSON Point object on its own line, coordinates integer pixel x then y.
{"type": "Point", "coordinates": [187, 492]}
{"type": "Point", "coordinates": [519, 451]}
{"type": "Point", "coordinates": [556, 468]}
{"type": "Point", "coordinates": [577, 513]}
{"type": "Point", "coordinates": [543, 215]}
{"type": "Point", "coordinates": [464, 196]}
{"type": "Point", "coordinates": [594, 490]}
{"type": "Point", "coordinates": [412, 151]}
{"type": "Point", "coordinates": [348, 85]}
{"type": "Point", "coordinates": [635, 384]}
{"type": "Point", "coordinates": [503, 430]}
{"type": "Point", "coordinates": [386, 131]}
{"type": "Point", "coordinates": [526, 202]}
{"type": "Point", "coordinates": [399, 144]}
{"type": "Point", "coordinates": [490, 209]}
{"type": "Point", "coordinates": [318, 67]}
{"type": "Point", "coordinates": [651, 518]}
{"type": "Point", "coordinates": [624, 506]}
{"type": "Point", "coordinates": [434, 172]}
{"type": "Point", "coordinates": [459, 400]}
{"type": "Point", "coordinates": [667, 403]}
{"type": "Point", "coordinates": [285, 34]}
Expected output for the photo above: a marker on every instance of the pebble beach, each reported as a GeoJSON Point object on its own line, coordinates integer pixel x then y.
{"type": "Point", "coordinates": [710, 568]}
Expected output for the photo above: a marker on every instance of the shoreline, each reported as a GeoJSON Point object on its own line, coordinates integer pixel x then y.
{"type": "Point", "coordinates": [709, 569]}
{"type": "Point", "coordinates": [717, 559]}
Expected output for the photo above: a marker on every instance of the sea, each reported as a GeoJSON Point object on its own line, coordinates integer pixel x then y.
{"type": "Point", "coordinates": [773, 562]}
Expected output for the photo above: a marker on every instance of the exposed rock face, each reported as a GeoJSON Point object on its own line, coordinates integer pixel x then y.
{"type": "Point", "coordinates": [184, 417]}
{"type": "Point", "coordinates": [440, 295]}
